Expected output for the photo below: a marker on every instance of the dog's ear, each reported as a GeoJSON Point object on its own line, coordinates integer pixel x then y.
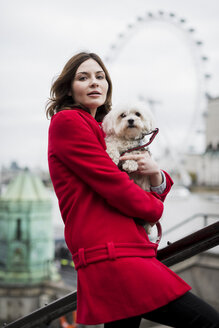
{"type": "Point", "coordinates": [149, 122]}
{"type": "Point", "coordinates": [108, 126]}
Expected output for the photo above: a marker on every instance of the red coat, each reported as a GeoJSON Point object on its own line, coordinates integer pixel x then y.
{"type": "Point", "coordinates": [118, 273]}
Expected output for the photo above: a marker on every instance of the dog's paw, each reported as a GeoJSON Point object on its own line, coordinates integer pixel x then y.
{"type": "Point", "coordinates": [130, 166]}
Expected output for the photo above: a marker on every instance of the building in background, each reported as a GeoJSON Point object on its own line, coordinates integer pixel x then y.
{"type": "Point", "coordinates": [28, 278]}
{"type": "Point", "coordinates": [204, 168]}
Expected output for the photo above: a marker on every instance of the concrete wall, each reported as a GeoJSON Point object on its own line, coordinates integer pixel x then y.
{"type": "Point", "coordinates": [201, 273]}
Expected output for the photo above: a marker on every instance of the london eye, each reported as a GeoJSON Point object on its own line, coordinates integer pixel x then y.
{"type": "Point", "coordinates": [149, 39]}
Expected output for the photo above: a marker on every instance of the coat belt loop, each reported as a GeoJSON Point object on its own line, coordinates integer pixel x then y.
{"type": "Point", "coordinates": [81, 257]}
{"type": "Point", "coordinates": [111, 251]}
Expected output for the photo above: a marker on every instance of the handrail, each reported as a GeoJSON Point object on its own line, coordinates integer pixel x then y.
{"type": "Point", "coordinates": [180, 250]}
{"type": "Point", "coordinates": [191, 218]}
{"type": "Point", "coordinates": [193, 244]}
{"type": "Point", "coordinates": [43, 316]}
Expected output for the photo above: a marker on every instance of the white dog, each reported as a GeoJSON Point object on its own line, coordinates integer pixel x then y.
{"type": "Point", "coordinates": [125, 128]}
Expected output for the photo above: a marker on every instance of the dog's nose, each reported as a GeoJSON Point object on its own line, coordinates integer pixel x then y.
{"type": "Point", "coordinates": [131, 121]}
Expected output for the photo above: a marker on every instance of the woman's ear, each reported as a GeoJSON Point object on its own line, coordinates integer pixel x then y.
{"type": "Point", "coordinates": [107, 124]}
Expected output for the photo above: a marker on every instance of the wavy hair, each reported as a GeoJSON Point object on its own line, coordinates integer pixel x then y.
{"type": "Point", "coordinates": [59, 93]}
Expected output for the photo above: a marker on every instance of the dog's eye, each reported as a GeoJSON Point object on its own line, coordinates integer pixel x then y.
{"type": "Point", "coordinates": [122, 115]}
{"type": "Point", "coordinates": [137, 114]}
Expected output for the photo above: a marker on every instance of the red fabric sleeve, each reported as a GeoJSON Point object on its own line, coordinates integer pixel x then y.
{"type": "Point", "coordinates": [76, 145]}
{"type": "Point", "coordinates": [169, 183]}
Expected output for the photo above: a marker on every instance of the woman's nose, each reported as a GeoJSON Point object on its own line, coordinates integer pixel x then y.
{"type": "Point", "coordinates": [94, 82]}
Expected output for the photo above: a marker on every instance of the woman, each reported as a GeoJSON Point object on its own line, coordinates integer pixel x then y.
{"type": "Point", "coordinates": [119, 278]}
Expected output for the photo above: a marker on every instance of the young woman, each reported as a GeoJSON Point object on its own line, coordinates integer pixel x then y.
{"type": "Point", "coordinates": [119, 278]}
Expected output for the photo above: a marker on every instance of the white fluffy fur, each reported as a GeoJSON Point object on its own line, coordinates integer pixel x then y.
{"type": "Point", "coordinates": [121, 135]}
{"type": "Point", "coordinates": [124, 125]}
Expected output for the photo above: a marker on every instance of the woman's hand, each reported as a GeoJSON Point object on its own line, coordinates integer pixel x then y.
{"type": "Point", "coordinates": [146, 166]}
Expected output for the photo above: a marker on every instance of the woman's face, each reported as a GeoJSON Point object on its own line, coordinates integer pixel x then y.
{"type": "Point", "coordinates": [89, 87]}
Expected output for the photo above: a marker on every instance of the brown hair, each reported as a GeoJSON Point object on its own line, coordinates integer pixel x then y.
{"type": "Point", "coordinates": [59, 98]}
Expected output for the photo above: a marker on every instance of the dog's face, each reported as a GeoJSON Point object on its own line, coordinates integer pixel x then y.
{"type": "Point", "coordinates": [128, 122]}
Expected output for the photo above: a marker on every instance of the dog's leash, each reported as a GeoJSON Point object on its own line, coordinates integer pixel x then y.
{"type": "Point", "coordinates": [154, 133]}
{"type": "Point", "coordinates": [159, 233]}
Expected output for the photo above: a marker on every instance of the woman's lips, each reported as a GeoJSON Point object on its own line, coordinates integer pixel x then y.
{"type": "Point", "coordinates": [94, 94]}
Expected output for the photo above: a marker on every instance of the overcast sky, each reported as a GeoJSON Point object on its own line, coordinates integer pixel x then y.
{"type": "Point", "coordinates": [156, 59]}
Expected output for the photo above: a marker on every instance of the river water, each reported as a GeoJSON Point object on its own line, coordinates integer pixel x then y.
{"type": "Point", "coordinates": [180, 205]}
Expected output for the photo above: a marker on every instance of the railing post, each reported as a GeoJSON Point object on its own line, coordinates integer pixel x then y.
{"type": "Point", "coordinates": [205, 220]}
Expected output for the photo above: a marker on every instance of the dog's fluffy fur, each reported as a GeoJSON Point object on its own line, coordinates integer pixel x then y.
{"type": "Point", "coordinates": [124, 127]}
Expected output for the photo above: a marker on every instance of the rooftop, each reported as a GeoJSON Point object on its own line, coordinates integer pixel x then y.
{"type": "Point", "coordinates": [26, 187]}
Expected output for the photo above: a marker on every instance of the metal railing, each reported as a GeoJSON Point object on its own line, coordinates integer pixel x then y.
{"type": "Point", "coordinates": [177, 252]}
{"type": "Point", "coordinates": [193, 244]}
{"type": "Point", "coordinates": [204, 216]}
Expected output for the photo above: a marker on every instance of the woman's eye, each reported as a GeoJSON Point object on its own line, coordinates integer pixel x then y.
{"type": "Point", "coordinates": [137, 114]}
{"type": "Point", "coordinates": [122, 115]}
{"type": "Point", "coordinates": [100, 77]}
{"type": "Point", "coordinates": [82, 78]}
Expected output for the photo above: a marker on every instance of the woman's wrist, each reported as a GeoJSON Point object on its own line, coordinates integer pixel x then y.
{"type": "Point", "coordinates": [161, 188]}
{"type": "Point", "coordinates": [156, 179]}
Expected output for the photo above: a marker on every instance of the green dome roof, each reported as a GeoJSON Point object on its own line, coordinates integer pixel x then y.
{"type": "Point", "coordinates": [26, 187]}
